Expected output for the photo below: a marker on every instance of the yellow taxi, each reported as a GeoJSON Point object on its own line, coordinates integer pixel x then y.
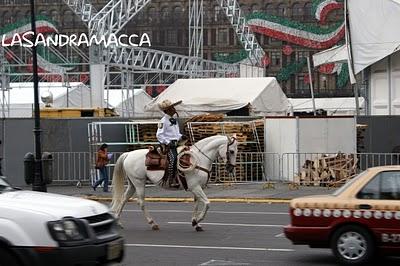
{"type": "Point", "coordinates": [357, 221]}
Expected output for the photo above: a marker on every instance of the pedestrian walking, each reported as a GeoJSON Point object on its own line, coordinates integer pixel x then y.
{"type": "Point", "coordinates": [101, 162]}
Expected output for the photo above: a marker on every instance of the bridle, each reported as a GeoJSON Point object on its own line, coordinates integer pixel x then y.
{"type": "Point", "coordinates": [231, 141]}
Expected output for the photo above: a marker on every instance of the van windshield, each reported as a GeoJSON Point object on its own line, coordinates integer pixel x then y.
{"type": "Point", "coordinates": [4, 185]}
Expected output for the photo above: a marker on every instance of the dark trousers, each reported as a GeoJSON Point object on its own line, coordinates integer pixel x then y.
{"type": "Point", "coordinates": [103, 178]}
{"type": "Point", "coordinates": [172, 157]}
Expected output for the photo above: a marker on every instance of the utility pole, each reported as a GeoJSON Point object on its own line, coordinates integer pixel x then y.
{"type": "Point", "coordinates": [38, 183]}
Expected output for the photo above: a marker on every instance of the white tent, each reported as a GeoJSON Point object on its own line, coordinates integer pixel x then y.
{"type": "Point", "coordinates": [333, 106]}
{"type": "Point", "coordinates": [264, 96]}
{"type": "Point", "coordinates": [21, 96]}
{"type": "Point", "coordinates": [124, 105]}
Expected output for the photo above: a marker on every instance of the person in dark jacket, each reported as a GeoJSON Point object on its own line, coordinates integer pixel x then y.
{"type": "Point", "coordinates": [101, 162]}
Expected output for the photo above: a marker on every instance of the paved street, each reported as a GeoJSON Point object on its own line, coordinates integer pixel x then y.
{"type": "Point", "coordinates": [235, 234]}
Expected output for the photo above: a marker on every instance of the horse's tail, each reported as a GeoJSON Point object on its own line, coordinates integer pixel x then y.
{"type": "Point", "coordinates": [118, 182]}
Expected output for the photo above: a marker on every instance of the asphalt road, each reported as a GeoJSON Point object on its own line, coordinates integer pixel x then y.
{"type": "Point", "coordinates": [235, 234]}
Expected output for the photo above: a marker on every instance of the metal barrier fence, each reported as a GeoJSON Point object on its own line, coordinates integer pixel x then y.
{"type": "Point", "coordinates": [69, 167]}
{"type": "Point", "coordinates": [326, 169]}
{"type": "Point", "coordinates": [250, 167]}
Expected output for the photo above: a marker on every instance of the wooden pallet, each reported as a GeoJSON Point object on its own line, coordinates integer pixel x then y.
{"type": "Point", "coordinates": [327, 170]}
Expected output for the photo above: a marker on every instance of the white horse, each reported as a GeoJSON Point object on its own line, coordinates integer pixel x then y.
{"type": "Point", "coordinates": [204, 152]}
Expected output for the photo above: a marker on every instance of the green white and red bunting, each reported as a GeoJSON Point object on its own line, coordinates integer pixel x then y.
{"type": "Point", "coordinates": [307, 36]}
{"type": "Point", "coordinates": [42, 26]}
{"type": "Point", "coordinates": [322, 8]}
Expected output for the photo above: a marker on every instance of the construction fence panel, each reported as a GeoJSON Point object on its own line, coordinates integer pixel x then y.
{"type": "Point", "coordinates": [322, 169]}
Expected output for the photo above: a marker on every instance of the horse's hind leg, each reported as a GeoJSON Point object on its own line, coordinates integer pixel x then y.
{"type": "Point", "coordinates": [140, 199]}
{"type": "Point", "coordinates": [202, 198]}
{"type": "Point", "coordinates": [128, 194]}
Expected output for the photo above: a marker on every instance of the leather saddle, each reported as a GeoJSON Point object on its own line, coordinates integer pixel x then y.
{"type": "Point", "coordinates": [156, 159]}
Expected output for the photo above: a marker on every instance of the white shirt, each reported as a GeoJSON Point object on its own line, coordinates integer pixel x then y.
{"type": "Point", "coordinates": [167, 131]}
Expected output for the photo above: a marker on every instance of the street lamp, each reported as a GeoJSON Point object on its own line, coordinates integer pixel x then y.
{"type": "Point", "coordinates": [38, 184]}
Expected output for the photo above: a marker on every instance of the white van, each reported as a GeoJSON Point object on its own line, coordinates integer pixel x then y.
{"type": "Point", "coordinates": [42, 229]}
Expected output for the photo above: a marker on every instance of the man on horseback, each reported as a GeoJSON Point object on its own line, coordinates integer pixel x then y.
{"type": "Point", "coordinates": [168, 134]}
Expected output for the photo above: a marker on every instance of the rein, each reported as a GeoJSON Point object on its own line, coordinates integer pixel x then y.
{"type": "Point", "coordinates": [203, 153]}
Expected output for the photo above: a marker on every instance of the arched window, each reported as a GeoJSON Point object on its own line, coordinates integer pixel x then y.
{"type": "Point", "coordinates": [43, 12]}
{"type": "Point", "coordinates": [178, 11]}
{"type": "Point", "coordinates": [254, 8]}
{"type": "Point", "coordinates": [245, 9]}
{"type": "Point", "coordinates": [68, 18]}
{"type": "Point", "coordinates": [17, 15]}
{"type": "Point", "coordinates": [270, 9]}
{"type": "Point", "coordinates": [297, 10]}
{"type": "Point", "coordinates": [307, 11]}
{"type": "Point", "coordinates": [152, 15]}
{"type": "Point", "coordinates": [164, 13]}
{"type": "Point", "coordinates": [177, 14]}
{"type": "Point", "coordinates": [217, 12]}
{"type": "Point", "coordinates": [54, 15]}
{"type": "Point", "coordinates": [281, 10]}
{"type": "Point", "coordinates": [6, 18]}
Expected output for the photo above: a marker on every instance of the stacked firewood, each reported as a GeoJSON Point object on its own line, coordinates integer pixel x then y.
{"type": "Point", "coordinates": [328, 170]}
{"type": "Point", "coordinates": [206, 118]}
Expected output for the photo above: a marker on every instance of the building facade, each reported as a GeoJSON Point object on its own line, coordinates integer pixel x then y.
{"type": "Point", "coordinates": [166, 22]}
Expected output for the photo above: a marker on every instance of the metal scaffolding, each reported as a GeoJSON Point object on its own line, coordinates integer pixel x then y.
{"type": "Point", "coordinates": [126, 67]}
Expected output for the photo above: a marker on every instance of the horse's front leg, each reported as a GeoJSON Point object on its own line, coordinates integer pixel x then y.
{"type": "Point", "coordinates": [196, 208]}
{"type": "Point", "coordinates": [199, 216]}
{"type": "Point", "coordinates": [140, 199]}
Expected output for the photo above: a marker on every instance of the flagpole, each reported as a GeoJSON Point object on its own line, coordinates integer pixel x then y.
{"type": "Point", "coordinates": [311, 86]}
{"type": "Point", "coordinates": [350, 60]}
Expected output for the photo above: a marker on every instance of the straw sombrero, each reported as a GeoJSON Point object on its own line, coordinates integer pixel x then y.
{"type": "Point", "coordinates": [164, 105]}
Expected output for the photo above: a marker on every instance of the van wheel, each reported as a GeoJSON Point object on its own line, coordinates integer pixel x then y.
{"type": "Point", "coordinates": [7, 258]}
{"type": "Point", "coordinates": [352, 245]}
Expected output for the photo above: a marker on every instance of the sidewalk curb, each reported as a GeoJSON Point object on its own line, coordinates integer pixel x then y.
{"type": "Point", "coordinates": [227, 200]}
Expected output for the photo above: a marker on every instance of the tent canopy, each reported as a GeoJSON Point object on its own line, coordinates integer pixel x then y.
{"type": "Point", "coordinates": [125, 104]}
{"type": "Point", "coordinates": [264, 96]}
{"type": "Point", "coordinates": [78, 96]}
{"type": "Point", "coordinates": [374, 30]}
{"type": "Point", "coordinates": [340, 106]}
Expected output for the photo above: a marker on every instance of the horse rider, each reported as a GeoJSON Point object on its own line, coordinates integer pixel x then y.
{"type": "Point", "coordinates": [168, 134]}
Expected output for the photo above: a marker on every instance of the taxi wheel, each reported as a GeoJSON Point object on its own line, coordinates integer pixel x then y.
{"type": "Point", "coordinates": [352, 245]}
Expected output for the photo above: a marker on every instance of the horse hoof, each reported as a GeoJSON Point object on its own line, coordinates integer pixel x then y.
{"type": "Point", "coordinates": [199, 229]}
{"type": "Point", "coordinates": [194, 222]}
{"type": "Point", "coordinates": [155, 227]}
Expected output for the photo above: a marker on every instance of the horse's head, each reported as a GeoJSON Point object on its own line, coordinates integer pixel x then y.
{"type": "Point", "coordinates": [228, 153]}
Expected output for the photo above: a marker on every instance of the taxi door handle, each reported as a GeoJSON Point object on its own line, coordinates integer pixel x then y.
{"type": "Point", "coordinates": [365, 206]}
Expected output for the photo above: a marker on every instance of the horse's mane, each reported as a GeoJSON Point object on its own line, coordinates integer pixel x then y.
{"type": "Point", "coordinates": [203, 142]}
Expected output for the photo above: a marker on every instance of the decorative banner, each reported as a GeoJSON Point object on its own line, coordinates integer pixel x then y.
{"type": "Point", "coordinates": [307, 79]}
{"type": "Point", "coordinates": [47, 61]}
{"type": "Point", "coordinates": [266, 60]}
{"type": "Point", "coordinates": [287, 50]}
{"type": "Point", "coordinates": [327, 68]}
{"type": "Point", "coordinates": [322, 8]}
{"type": "Point", "coordinates": [311, 36]}
{"type": "Point", "coordinates": [297, 33]}
{"type": "Point", "coordinates": [291, 69]}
